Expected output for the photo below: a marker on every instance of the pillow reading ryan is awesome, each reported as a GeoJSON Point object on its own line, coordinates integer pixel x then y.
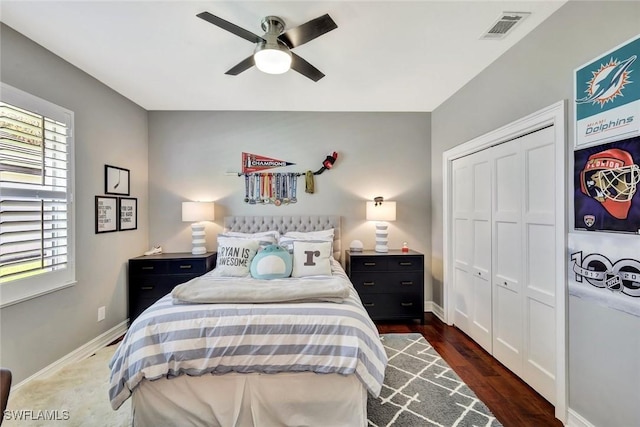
{"type": "Point", "coordinates": [235, 255]}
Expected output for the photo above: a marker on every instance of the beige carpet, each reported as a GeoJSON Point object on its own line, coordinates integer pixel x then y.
{"type": "Point", "coordinates": [69, 397]}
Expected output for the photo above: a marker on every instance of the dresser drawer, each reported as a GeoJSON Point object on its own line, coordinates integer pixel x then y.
{"type": "Point", "coordinates": [406, 262]}
{"type": "Point", "coordinates": [144, 267]}
{"type": "Point", "coordinates": [380, 282]}
{"type": "Point", "coordinates": [188, 266]}
{"type": "Point", "coordinates": [363, 263]}
{"type": "Point", "coordinates": [393, 306]}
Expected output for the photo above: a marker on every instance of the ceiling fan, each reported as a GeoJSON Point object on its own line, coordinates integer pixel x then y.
{"type": "Point", "coordinates": [273, 50]}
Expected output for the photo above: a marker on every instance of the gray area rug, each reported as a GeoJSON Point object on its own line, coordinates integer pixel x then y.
{"type": "Point", "coordinates": [420, 389]}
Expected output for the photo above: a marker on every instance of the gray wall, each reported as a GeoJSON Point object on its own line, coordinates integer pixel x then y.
{"type": "Point", "coordinates": [109, 129]}
{"type": "Point", "coordinates": [535, 73]}
{"type": "Point", "coordinates": [379, 154]}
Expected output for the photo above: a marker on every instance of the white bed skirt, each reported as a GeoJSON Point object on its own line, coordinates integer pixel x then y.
{"type": "Point", "coordinates": [239, 400]}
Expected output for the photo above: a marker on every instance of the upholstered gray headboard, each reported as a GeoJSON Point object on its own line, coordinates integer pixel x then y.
{"type": "Point", "coordinates": [254, 224]}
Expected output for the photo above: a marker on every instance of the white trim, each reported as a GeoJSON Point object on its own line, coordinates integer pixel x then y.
{"type": "Point", "coordinates": [78, 354]}
{"type": "Point", "coordinates": [577, 420]}
{"type": "Point", "coordinates": [432, 307]}
{"type": "Point", "coordinates": [552, 115]}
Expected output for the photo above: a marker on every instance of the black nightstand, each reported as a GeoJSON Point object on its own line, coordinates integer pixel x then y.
{"type": "Point", "coordinates": [153, 276]}
{"type": "Point", "coordinates": [390, 285]}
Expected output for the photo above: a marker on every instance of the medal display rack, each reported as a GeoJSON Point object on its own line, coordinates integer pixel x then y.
{"type": "Point", "coordinates": [270, 188]}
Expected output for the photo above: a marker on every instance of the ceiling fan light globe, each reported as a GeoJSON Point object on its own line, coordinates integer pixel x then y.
{"type": "Point", "coordinates": [272, 61]}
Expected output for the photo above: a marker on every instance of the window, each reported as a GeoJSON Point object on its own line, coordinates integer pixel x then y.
{"type": "Point", "coordinates": [36, 187]}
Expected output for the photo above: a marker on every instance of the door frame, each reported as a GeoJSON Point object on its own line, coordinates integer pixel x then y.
{"type": "Point", "coordinates": [553, 115]}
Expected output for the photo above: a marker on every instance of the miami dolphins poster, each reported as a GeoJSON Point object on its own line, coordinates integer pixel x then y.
{"type": "Point", "coordinates": [606, 270]}
{"type": "Point", "coordinates": [605, 187]}
{"type": "Point", "coordinates": [607, 96]}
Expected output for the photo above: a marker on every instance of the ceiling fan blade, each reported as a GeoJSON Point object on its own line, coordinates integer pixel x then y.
{"type": "Point", "coordinates": [242, 66]}
{"type": "Point", "coordinates": [308, 31]}
{"type": "Point", "coordinates": [304, 68]}
{"type": "Point", "coordinates": [232, 28]}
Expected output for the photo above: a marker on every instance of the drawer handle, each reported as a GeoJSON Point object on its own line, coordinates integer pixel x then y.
{"type": "Point", "coordinates": [185, 266]}
{"type": "Point", "coordinates": [407, 283]}
{"type": "Point", "coordinates": [406, 304]}
{"type": "Point", "coordinates": [406, 263]}
{"type": "Point", "coordinates": [369, 264]}
{"type": "Point", "coordinates": [368, 304]}
{"type": "Point", "coordinates": [147, 288]}
{"type": "Point", "coordinates": [148, 267]}
{"type": "Point", "coordinates": [368, 283]}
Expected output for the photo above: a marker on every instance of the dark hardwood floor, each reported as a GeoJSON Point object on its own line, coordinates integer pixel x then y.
{"type": "Point", "coordinates": [511, 400]}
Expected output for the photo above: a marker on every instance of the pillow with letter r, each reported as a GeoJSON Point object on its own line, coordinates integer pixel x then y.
{"type": "Point", "coordinates": [235, 255]}
{"type": "Point", "coordinates": [272, 262]}
{"type": "Point", "coordinates": [311, 259]}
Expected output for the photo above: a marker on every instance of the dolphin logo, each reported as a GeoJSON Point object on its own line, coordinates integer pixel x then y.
{"type": "Point", "coordinates": [604, 87]}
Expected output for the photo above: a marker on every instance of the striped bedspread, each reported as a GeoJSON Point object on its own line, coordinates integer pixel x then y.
{"type": "Point", "coordinates": [168, 340]}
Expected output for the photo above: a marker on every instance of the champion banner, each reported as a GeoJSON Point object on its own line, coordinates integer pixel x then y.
{"type": "Point", "coordinates": [607, 96]}
{"type": "Point", "coordinates": [254, 163]}
{"type": "Point", "coordinates": [606, 269]}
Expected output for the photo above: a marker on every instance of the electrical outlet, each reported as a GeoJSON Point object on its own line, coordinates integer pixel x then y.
{"type": "Point", "coordinates": [102, 311]}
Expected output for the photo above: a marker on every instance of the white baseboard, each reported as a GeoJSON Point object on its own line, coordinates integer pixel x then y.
{"type": "Point", "coordinates": [78, 354]}
{"type": "Point", "coordinates": [577, 420]}
{"type": "Point", "coordinates": [430, 306]}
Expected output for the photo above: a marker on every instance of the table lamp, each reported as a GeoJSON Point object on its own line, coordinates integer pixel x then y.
{"type": "Point", "coordinates": [195, 212]}
{"type": "Point", "coordinates": [381, 212]}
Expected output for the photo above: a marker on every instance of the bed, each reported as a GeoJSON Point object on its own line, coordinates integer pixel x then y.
{"type": "Point", "coordinates": [311, 362]}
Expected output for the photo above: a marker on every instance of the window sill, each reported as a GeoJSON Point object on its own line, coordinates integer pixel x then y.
{"type": "Point", "coordinates": [17, 299]}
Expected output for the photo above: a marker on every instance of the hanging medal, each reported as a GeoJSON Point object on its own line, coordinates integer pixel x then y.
{"type": "Point", "coordinates": [246, 188]}
{"type": "Point", "coordinates": [294, 184]}
{"type": "Point", "coordinates": [278, 201]}
{"type": "Point", "coordinates": [285, 188]}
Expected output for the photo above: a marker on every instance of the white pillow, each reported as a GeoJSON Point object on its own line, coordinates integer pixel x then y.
{"type": "Point", "coordinates": [311, 235]}
{"type": "Point", "coordinates": [235, 255]}
{"type": "Point", "coordinates": [311, 259]}
{"type": "Point", "coordinates": [264, 238]}
{"type": "Point", "coordinates": [288, 238]}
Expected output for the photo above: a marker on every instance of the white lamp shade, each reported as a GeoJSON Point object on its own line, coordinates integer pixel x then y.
{"type": "Point", "coordinates": [197, 211]}
{"type": "Point", "coordinates": [385, 211]}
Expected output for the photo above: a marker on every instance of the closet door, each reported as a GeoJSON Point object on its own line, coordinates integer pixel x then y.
{"type": "Point", "coordinates": [539, 267]}
{"type": "Point", "coordinates": [507, 254]}
{"type": "Point", "coordinates": [523, 220]}
{"type": "Point", "coordinates": [472, 247]}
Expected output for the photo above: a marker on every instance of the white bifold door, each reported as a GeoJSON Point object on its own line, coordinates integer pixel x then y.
{"type": "Point", "coordinates": [503, 224]}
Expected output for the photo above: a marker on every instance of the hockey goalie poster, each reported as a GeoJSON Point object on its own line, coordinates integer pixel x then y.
{"type": "Point", "coordinates": [607, 96]}
{"type": "Point", "coordinates": [606, 270]}
{"type": "Point", "coordinates": [605, 187]}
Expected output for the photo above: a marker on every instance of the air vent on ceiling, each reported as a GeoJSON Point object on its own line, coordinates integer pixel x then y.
{"type": "Point", "coordinates": [504, 24]}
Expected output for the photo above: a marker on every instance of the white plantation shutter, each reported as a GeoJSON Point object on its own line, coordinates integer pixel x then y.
{"type": "Point", "coordinates": [36, 221]}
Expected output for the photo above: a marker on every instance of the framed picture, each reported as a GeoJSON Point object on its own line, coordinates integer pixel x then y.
{"type": "Point", "coordinates": [116, 180]}
{"type": "Point", "coordinates": [128, 213]}
{"type": "Point", "coordinates": [106, 214]}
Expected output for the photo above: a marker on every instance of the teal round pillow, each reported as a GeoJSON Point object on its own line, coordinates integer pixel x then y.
{"type": "Point", "coordinates": [272, 262]}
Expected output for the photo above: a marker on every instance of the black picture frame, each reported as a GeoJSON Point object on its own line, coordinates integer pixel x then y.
{"type": "Point", "coordinates": [106, 214]}
{"type": "Point", "coordinates": [128, 213]}
{"type": "Point", "coordinates": [117, 180]}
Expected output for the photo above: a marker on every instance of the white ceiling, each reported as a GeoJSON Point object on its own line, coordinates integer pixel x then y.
{"type": "Point", "coordinates": [384, 55]}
